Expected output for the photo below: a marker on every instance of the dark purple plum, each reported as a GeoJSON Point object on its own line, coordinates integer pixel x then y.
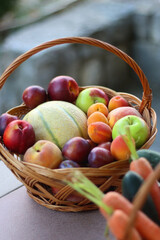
{"type": "Point", "coordinates": [77, 149]}
{"type": "Point", "coordinates": [99, 157]}
{"type": "Point", "coordinates": [106, 145]}
{"type": "Point", "coordinates": [68, 164]}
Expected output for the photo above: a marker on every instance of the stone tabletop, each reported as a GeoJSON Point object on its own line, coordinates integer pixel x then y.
{"type": "Point", "coordinates": [23, 218]}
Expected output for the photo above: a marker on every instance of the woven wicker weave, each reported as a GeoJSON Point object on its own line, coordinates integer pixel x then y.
{"type": "Point", "coordinates": [39, 180]}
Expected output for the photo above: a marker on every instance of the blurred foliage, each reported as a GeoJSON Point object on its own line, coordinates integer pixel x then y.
{"type": "Point", "coordinates": [7, 6]}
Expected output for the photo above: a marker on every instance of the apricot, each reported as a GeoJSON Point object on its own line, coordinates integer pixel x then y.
{"type": "Point", "coordinates": [97, 117]}
{"type": "Point", "coordinates": [99, 132]}
{"type": "Point", "coordinates": [119, 149]}
{"type": "Point", "coordinates": [98, 107]}
{"type": "Point", "coordinates": [117, 101]}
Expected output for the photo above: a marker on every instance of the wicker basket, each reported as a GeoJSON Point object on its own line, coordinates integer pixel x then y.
{"type": "Point", "coordinates": [39, 180]}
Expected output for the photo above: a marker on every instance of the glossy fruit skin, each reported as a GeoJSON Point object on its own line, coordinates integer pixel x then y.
{"type": "Point", "coordinates": [99, 157]}
{"type": "Point", "coordinates": [19, 136]}
{"type": "Point", "coordinates": [77, 149]}
{"type": "Point", "coordinates": [97, 107]}
{"type": "Point", "coordinates": [119, 149]}
{"type": "Point", "coordinates": [99, 132]}
{"type": "Point", "coordinates": [117, 101]}
{"type": "Point", "coordinates": [5, 119]}
{"type": "Point", "coordinates": [69, 164]}
{"type": "Point", "coordinates": [34, 95]}
{"type": "Point", "coordinates": [138, 128]}
{"type": "Point", "coordinates": [63, 88]}
{"type": "Point", "coordinates": [89, 96]}
{"type": "Point", "coordinates": [120, 112]}
{"type": "Point", "coordinates": [44, 153]}
{"type": "Point", "coordinates": [97, 117]}
{"type": "Point", "coordinates": [106, 145]}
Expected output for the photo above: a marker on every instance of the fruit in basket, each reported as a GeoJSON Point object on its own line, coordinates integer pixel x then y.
{"type": "Point", "coordinates": [68, 164]}
{"type": "Point", "coordinates": [117, 101]}
{"type": "Point", "coordinates": [57, 121]}
{"type": "Point", "coordinates": [138, 128]}
{"type": "Point", "coordinates": [34, 95]}
{"type": "Point", "coordinates": [97, 117]}
{"type": "Point", "coordinates": [44, 153]}
{"type": "Point", "coordinates": [89, 96]}
{"type": "Point", "coordinates": [99, 157]}
{"type": "Point", "coordinates": [98, 107]}
{"type": "Point", "coordinates": [5, 119]}
{"type": "Point", "coordinates": [99, 132]}
{"type": "Point", "coordinates": [106, 145]}
{"type": "Point", "coordinates": [119, 149]}
{"type": "Point", "coordinates": [18, 136]}
{"type": "Point", "coordinates": [64, 88]}
{"type": "Point", "coordinates": [120, 112]}
{"type": "Point", "coordinates": [77, 149]}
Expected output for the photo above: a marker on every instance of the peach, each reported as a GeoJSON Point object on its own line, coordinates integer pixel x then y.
{"type": "Point", "coordinates": [99, 132]}
{"type": "Point", "coordinates": [117, 101]}
{"type": "Point", "coordinates": [98, 107]}
{"type": "Point", "coordinates": [120, 112]}
{"type": "Point", "coordinates": [44, 153]}
{"type": "Point", "coordinates": [119, 149]}
{"type": "Point", "coordinates": [97, 117]}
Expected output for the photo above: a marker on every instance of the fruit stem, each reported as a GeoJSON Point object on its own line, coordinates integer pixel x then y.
{"type": "Point", "coordinates": [85, 187]}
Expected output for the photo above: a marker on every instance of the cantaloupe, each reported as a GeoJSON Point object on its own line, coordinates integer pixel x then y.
{"type": "Point", "coordinates": [57, 121]}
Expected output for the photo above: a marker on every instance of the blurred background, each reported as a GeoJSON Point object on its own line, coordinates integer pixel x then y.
{"type": "Point", "coordinates": [132, 26]}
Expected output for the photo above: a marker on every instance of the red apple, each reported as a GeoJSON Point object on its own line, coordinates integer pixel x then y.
{"type": "Point", "coordinates": [34, 96]}
{"type": "Point", "coordinates": [5, 119]}
{"type": "Point", "coordinates": [76, 149]}
{"type": "Point", "coordinates": [19, 136]}
{"type": "Point", "coordinates": [63, 88]}
{"type": "Point", "coordinates": [44, 153]}
{"type": "Point", "coordinates": [89, 96]}
{"type": "Point", "coordinates": [99, 157]}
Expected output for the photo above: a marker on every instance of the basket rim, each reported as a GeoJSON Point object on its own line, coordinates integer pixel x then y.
{"type": "Point", "coordinates": [102, 170]}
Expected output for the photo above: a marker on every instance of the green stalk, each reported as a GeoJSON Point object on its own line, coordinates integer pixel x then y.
{"type": "Point", "coordinates": [85, 187]}
{"type": "Point", "coordinates": [128, 140]}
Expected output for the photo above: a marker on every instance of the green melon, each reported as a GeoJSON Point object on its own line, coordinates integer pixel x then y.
{"type": "Point", "coordinates": [57, 121]}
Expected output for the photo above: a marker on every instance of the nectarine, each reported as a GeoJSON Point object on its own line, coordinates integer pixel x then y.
{"type": "Point", "coordinates": [119, 149]}
{"type": "Point", "coordinates": [44, 153]}
{"type": "Point", "coordinates": [117, 101]}
{"type": "Point", "coordinates": [120, 112]}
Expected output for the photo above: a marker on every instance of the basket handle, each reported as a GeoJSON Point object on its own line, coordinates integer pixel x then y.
{"type": "Point", "coordinates": [147, 92]}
